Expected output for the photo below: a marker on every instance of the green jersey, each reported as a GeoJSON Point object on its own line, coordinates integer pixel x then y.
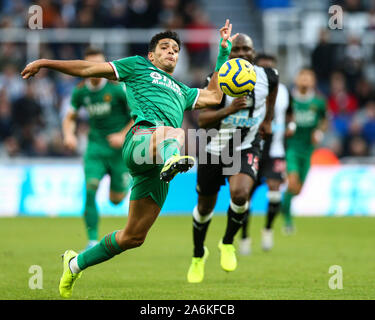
{"type": "Point", "coordinates": [107, 109]}
{"type": "Point", "coordinates": [308, 114]}
{"type": "Point", "coordinates": [154, 95]}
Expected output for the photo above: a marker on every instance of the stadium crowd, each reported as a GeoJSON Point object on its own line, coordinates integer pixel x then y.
{"type": "Point", "coordinates": [31, 111]}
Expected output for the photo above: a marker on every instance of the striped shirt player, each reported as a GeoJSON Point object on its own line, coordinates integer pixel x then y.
{"type": "Point", "coordinates": [248, 120]}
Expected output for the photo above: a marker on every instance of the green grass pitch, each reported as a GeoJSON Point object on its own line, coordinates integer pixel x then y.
{"type": "Point", "coordinates": [297, 267]}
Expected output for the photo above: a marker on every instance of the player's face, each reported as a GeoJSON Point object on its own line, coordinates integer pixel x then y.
{"type": "Point", "coordinates": [243, 48]}
{"type": "Point", "coordinates": [165, 56]}
{"type": "Point", "coordinates": [305, 81]}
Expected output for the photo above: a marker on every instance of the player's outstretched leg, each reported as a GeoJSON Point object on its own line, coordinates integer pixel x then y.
{"type": "Point", "coordinates": [166, 144]}
{"type": "Point", "coordinates": [142, 214]}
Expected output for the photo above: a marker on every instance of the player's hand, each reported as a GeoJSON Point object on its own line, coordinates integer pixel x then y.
{"type": "Point", "coordinates": [116, 140]}
{"type": "Point", "coordinates": [225, 33]}
{"type": "Point", "coordinates": [70, 142]}
{"type": "Point", "coordinates": [265, 129]}
{"type": "Point", "coordinates": [31, 69]}
{"type": "Point", "coordinates": [317, 137]}
{"type": "Point", "coordinates": [238, 104]}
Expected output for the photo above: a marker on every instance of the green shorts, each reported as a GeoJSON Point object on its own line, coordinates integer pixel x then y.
{"type": "Point", "coordinates": [145, 173]}
{"type": "Point", "coordinates": [96, 166]}
{"type": "Point", "coordinates": [297, 162]}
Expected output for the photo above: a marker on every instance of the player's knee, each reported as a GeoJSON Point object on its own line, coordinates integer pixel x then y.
{"type": "Point", "coordinates": [92, 184]}
{"type": "Point", "coordinates": [116, 199]}
{"type": "Point", "coordinates": [239, 196]}
{"type": "Point", "coordinates": [205, 209]}
{"type": "Point", "coordinates": [294, 188]}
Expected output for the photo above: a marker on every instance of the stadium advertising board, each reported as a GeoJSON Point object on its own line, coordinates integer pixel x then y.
{"type": "Point", "coordinates": [58, 190]}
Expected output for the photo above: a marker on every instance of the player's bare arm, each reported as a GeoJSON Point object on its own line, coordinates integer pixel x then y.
{"type": "Point", "coordinates": [265, 127]}
{"type": "Point", "coordinates": [209, 118]}
{"type": "Point", "coordinates": [77, 68]}
{"type": "Point", "coordinates": [212, 95]}
{"type": "Point", "coordinates": [69, 128]}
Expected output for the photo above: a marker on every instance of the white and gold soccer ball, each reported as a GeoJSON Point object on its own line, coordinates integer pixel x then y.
{"type": "Point", "coordinates": [237, 77]}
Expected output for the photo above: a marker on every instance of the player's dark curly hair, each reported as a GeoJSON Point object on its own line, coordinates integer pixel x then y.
{"type": "Point", "coordinates": [163, 35]}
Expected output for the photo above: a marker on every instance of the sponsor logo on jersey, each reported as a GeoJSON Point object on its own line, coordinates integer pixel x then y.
{"type": "Point", "coordinates": [99, 109]}
{"type": "Point", "coordinates": [155, 75]}
{"type": "Point", "coordinates": [241, 119]}
{"type": "Point", "coordinates": [305, 118]}
{"type": "Point", "coordinates": [107, 97]}
{"type": "Point", "coordinates": [165, 81]}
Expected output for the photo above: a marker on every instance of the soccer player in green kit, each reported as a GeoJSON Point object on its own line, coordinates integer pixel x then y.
{"type": "Point", "coordinates": [152, 146]}
{"type": "Point", "coordinates": [309, 111]}
{"type": "Point", "coordinates": [109, 121]}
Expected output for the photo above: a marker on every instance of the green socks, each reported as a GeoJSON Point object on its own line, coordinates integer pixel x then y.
{"type": "Point", "coordinates": [106, 249]}
{"type": "Point", "coordinates": [168, 148]}
{"type": "Point", "coordinates": [91, 216]}
{"type": "Point", "coordinates": [285, 207]}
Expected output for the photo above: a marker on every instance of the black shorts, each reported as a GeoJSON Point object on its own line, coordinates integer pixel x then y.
{"type": "Point", "coordinates": [211, 176]}
{"type": "Point", "coordinates": [272, 168]}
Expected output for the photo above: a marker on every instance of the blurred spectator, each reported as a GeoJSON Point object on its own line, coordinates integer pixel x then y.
{"type": "Point", "coordinates": [5, 116]}
{"type": "Point", "coordinates": [51, 14]}
{"type": "Point", "coordinates": [27, 118]}
{"type": "Point", "coordinates": [10, 79]}
{"type": "Point", "coordinates": [68, 12]}
{"type": "Point", "coordinates": [323, 60]}
{"type": "Point", "coordinates": [352, 62]}
{"type": "Point", "coordinates": [340, 100]}
{"type": "Point", "coordinates": [10, 53]}
{"type": "Point", "coordinates": [364, 123]}
{"type": "Point", "coordinates": [353, 6]}
{"type": "Point", "coordinates": [199, 52]}
{"type": "Point", "coordinates": [142, 14]}
{"type": "Point", "coordinates": [357, 147]}
{"type": "Point", "coordinates": [364, 92]}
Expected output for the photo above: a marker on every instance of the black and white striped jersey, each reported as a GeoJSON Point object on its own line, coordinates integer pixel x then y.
{"type": "Point", "coordinates": [249, 119]}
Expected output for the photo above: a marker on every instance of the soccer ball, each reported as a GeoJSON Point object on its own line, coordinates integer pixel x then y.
{"type": "Point", "coordinates": [237, 77]}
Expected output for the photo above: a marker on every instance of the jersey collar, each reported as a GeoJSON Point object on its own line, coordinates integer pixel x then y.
{"type": "Point", "coordinates": [100, 86]}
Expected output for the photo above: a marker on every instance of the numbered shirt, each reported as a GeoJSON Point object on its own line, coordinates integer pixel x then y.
{"type": "Point", "coordinates": [154, 95]}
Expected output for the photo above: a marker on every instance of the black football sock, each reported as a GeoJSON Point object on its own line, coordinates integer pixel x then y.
{"type": "Point", "coordinates": [200, 227]}
{"type": "Point", "coordinates": [245, 227]}
{"type": "Point", "coordinates": [236, 217]}
{"type": "Point", "coordinates": [199, 235]}
{"type": "Point", "coordinates": [273, 210]}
